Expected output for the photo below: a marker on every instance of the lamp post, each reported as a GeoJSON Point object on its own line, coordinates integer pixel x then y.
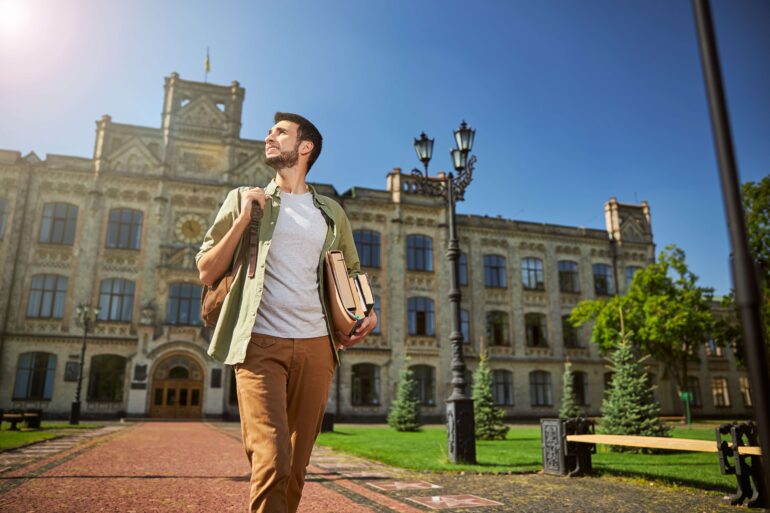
{"type": "Point", "coordinates": [461, 436]}
{"type": "Point", "coordinates": [86, 318]}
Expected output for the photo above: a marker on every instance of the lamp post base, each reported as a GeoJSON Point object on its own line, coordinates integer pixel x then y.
{"type": "Point", "coordinates": [75, 413]}
{"type": "Point", "coordinates": [461, 431]}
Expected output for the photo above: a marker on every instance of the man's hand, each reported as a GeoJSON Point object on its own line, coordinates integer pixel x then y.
{"type": "Point", "coordinates": [370, 322]}
{"type": "Point", "coordinates": [253, 194]}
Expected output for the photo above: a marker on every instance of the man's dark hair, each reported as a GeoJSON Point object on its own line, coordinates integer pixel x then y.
{"type": "Point", "coordinates": [306, 132]}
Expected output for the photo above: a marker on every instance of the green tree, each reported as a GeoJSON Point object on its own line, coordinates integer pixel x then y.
{"type": "Point", "coordinates": [487, 417]}
{"type": "Point", "coordinates": [629, 407]}
{"type": "Point", "coordinates": [665, 308]}
{"type": "Point", "coordinates": [756, 205]}
{"type": "Point", "coordinates": [569, 407]}
{"type": "Point", "coordinates": [405, 412]}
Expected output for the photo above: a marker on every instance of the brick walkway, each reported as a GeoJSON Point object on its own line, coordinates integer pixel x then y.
{"type": "Point", "coordinates": [201, 467]}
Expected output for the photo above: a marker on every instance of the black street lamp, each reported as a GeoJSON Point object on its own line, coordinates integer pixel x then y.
{"type": "Point", "coordinates": [461, 435]}
{"type": "Point", "coordinates": [86, 318]}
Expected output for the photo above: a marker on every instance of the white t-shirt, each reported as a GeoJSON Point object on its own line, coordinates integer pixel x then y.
{"type": "Point", "coordinates": [291, 304]}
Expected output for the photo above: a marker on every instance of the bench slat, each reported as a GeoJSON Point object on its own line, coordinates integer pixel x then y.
{"type": "Point", "coordinates": [650, 442]}
{"type": "Point", "coordinates": [656, 442]}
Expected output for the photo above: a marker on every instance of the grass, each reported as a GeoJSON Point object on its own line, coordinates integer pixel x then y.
{"type": "Point", "coordinates": [521, 452]}
{"type": "Point", "coordinates": [14, 439]}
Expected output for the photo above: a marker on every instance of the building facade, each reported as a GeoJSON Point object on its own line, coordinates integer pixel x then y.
{"type": "Point", "coordinates": [120, 231]}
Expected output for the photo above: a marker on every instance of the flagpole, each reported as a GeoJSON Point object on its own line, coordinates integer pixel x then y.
{"type": "Point", "coordinates": [206, 67]}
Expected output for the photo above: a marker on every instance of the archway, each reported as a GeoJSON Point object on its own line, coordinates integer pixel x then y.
{"type": "Point", "coordinates": [177, 388]}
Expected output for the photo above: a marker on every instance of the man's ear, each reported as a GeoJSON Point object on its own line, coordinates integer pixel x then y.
{"type": "Point", "coordinates": [306, 148]}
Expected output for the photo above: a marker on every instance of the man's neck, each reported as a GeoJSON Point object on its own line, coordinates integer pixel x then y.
{"type": "Point", "coordinates": [291, 180]}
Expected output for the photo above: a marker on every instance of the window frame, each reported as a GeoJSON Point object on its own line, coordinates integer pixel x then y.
{"type": "Point", "coordinates": [119, 228]}
{"type": "Point", "coordinates": [58, 227]}
{"type": "Point", "coordinates": [419, 253]}
{"type": "Point", "coordinates": [368, 245]}
{"type": "Point", "coordinates": [417, 305]}
{"type": "Point", "coordinates": [495, 276]}
{"type": "Point", "coordinates": [535, 271]}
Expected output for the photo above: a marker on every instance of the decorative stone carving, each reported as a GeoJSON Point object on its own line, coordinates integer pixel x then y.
{"type": "Point", "coordinates": [149, 311]}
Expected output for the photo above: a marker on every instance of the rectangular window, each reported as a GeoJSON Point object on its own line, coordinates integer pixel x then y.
{"type": "Point", "coordinates": [47, 296]}
{"type": "Point", "coordinates": [720, 393]}
{"type": "Point", "coordinates": [568, 276]}
{"type": "Point", "coordinates": [368, 247]}
{"type": "Point", "coordinates": [603, 282]}
{"type": "Point", "coordinates": [494, 272]}
{"type": "Point", "coordinates": [419, 253]}
{"type": "Point", "coordinates": [58, 223]}
{"type": "Point", "coordinates": [696, 400]}
{"type": "Point", "coordinates": [465, 326]}
{"type": "Point", "coordinates": [569, 332]}
{"type": "Point", "coordinates": [462, 264]}
{"type": "Point", "coordinates": [498, 329]}
{"type": "Point", "coordinates": [745, 391]}
{"type": "Point", "coordinates": [534, 324]}
{"type": "Point", "coordinates": [532, 274]}
{"type": "Point", "coordinates": [124, 230]}
{"type": "Point", "coordinates": [421, 316]}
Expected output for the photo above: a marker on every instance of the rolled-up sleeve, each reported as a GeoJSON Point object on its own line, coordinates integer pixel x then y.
{"type": "Point", "coordinates": [222, 224]}
{"type": "Point", "coordinates": [348, 246]}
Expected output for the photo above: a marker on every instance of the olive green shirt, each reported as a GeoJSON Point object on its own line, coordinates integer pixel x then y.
{"type": "Point", "coordinates": [233, 331]}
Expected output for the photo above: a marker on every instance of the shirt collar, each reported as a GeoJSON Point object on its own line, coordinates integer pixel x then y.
{"type": "Point", "coordinates": [274, 191]}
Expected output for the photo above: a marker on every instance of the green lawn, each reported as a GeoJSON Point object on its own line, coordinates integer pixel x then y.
{"type": "Point", "coordinates": [13, 439]}
{"type": "Point", "coordinates": [521, 452]}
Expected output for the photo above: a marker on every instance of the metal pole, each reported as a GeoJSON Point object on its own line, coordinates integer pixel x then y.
{"type": "Point", "coordinates": [75, 410]}
{"type": "Point", "coordinates": [747, 294]}
{"type": "Point", "coordinates": [461, 431]}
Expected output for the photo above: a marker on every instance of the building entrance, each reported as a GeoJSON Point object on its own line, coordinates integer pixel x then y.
{"type": "Point", "coordinates": [177, 388]}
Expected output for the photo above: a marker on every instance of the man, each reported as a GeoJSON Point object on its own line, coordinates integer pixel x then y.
{"type": "Point", "coordinates": [275, 327]}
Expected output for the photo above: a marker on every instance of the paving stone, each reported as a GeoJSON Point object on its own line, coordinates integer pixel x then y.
{"type": "Point", "coordinates": [403, 485]}
{"type": "Point", "coordinates": [454, 501]}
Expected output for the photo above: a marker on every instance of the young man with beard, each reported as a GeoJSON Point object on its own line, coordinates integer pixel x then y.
{"type": "Point", "coordinates": [275, 328]}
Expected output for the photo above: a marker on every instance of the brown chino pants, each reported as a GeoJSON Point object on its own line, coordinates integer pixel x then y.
{"type": "Point", "coordinates": [282, 388]}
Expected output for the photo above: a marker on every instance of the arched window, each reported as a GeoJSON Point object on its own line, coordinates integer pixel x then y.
{"type": "Point", "coordinates": [494, 272]}
{"type": "Point", "coordinates": [368, 247]}
{"type": "Point", "coordinates": [540, 388]}
{"type": "Point", "coordinates": [58, 224]}
{"type": "Point", "coordinates": [569, 280]}
{"type": "Point", "coordinates": [184, 304]}
{"type": "Point", "coordinates": [535, 326]}
{"type": "Point", "coordinates": [419, 253]}
{"type": "Point", "coordinates": [502, 387]}
{"type": "Point", "coordinates": [124, 230]}
{"type": "Point", "coordinates": [34, 377]}
{"type": "Point", "coordinates": [532, 274]}
{"type": "Point", "coordinates": [116, 300]}
{"type": "Point", "coordinates": [47, 296]}
{"type": "Point", "coordinates": [421, 316]}
{"type": "Point", "coordinates": [106, 377]}
{"type": "Point", "coordinates": [603, 283]}
{"type": "Point", "coordinates": [498, 330]}
{"type": "Point", "coordinates": [365, 387]}
{"type": "Point", "coordinates": [425, 376]}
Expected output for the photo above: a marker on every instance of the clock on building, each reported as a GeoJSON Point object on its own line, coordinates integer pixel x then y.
{"type": "Point", "coordinates": [189, 228]}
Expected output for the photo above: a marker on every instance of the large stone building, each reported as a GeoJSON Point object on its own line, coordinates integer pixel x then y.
{"type": "Point", "coordinates": [120, 231]}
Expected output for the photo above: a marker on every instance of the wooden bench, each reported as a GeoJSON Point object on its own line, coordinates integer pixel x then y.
{"type": "Point", "coordinates": [31, 418]}
{"type": "Point", "coordinates": [569, 443]}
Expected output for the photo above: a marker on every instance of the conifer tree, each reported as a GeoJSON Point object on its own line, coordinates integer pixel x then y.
{"type": "Point", "coordinates": [629, 407]}
{"type": "Point", "coordinates": [405, 412]}
{"type": "Point", "coordinates": [569, 407]}
{"type": "Point", "coordinates": [488, 418]}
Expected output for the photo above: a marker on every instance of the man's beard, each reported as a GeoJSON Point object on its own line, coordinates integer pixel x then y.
{"type": "Point", "coordinates": [285, 160]}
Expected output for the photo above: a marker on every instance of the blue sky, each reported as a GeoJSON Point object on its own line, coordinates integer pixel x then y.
{"type": "Point", "coordinates": [573, 101]}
